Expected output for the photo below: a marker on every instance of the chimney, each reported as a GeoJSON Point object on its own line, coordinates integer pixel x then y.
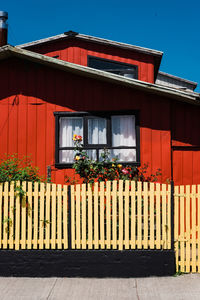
{"type": "Point", "coordinates": [3, 28]}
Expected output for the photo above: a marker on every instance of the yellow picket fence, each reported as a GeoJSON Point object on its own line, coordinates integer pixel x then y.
{"type": "Point", "coordinates": [33, 216]}
{"type": "Point", "coordinates": [187, 228]}
{"type": "Point", "coordinates": [112, 215]}
{"type": "Point", "coordinates": [116, 215]}
{"type": "Point", "coordinates": [121, 215]}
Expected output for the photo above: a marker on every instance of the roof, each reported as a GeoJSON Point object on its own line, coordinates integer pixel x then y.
{"type": "Point", "coordinates": [71, 34]}
{"type": "Point", "coordinates": [10, 51]}
{"type": "Point", "coordinates": [187, 83]}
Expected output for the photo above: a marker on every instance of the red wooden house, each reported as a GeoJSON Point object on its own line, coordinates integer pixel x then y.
{"type": "Point", "coordinates": [105, 91]}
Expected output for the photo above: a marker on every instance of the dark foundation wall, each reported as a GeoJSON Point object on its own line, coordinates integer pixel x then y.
{"type": "Point", "coordinates": [31, 93]}
{"type": "Point", "coordinates": [86, 263]}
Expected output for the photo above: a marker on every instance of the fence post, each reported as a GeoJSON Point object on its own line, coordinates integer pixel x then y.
{"type": "Point", "coordinates": [172, 215]}
{"type": "Point", "coordinates": [69, 217]}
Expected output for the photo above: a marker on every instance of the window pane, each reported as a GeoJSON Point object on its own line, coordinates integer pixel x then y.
{"type": "Point", "coordinates": [66, 156]}
{"type": "Point", "coordinates": [126, 155]}
{"type": "Point", "coordinates": [112, 66]}
{"type": "Point", "coordinates": [68, 127]}
{"type": "Point", "coordinates": [123, 131]}
{"type": "Point", "coordinates": [92, 154]}
{"type": "Point", "coordinates": [97, 131]}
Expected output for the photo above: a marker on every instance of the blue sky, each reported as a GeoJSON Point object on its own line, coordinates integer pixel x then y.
{"type": "Point", "coordinates": [170, 26]}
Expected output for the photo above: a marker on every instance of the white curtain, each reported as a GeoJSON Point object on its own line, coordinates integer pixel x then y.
{"type": "Point", "coordinates": [68, 127]}
{"type": "Point", "coordinates": [123, 134]}
{"type": "Point", "coordinates": [97, 131]}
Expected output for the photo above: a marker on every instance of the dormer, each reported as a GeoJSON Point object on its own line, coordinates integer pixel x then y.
{"type": "Point", "coordinates": [119, 58]}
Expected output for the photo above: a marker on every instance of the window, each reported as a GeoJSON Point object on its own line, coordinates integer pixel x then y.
{"type": "Point", "coordinates": [123, 69]}
{"type": "Point", "coordinates": [119, 133]}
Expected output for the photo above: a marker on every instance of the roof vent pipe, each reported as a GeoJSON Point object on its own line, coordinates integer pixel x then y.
{"type": "Point", "coordinates": [3, 28]}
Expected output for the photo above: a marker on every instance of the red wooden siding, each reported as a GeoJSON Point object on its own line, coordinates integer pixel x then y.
{"type": "Point", "coordinates": [186, 143]}
{"type": "Point", "coordinates": [31, 93]}
{"type": "Point", "coordinates": [76, 51]}
{"type": "Point", "coordinates": [186, 125]}
{"type": "Point", "coordinates": [186, 166]}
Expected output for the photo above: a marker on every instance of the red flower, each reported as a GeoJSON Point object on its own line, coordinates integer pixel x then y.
{"type": "Point", "coordinates": [125, 171]}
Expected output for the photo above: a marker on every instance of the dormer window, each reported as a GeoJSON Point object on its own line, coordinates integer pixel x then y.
{"type": "Point", "coordinates": [123, 69]}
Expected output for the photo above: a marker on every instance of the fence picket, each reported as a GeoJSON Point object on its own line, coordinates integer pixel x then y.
{"type": "Point", "coordinates": [65, 216]}
{"type": "Point", "coordinates": [83, 197]}
{"type": "Point", "coordinates": [182, 243]}
{"type": "Point", "coordinates": [5, 216]}
{"type": "Point", "coordinates": [126, 216]}
{"type": "Point", "coordinates": [102, 231]}
{"type": "Point", "coordinates": [158, 216]}
{"type": "Point", "coordinates": [29, 213]}
{"type": "Point", "coordinates": [187, 233]}
{"type": "Point", "coordinates": [47, 217]}
{"type": "Point", "coordinates": [1, 212]}
{"type": "Point", "coordinates": [145, 216]}
{"type": "Point", "coordinates": [78, 229]}
{"type": "Point", "coordinates": [59, 216]}
{"type": "Point", "coordinates": [17, 218]}
{"type": "Point", "coordinates": [139, 214]}
{"type": "Point", "coordinates": [90, 213]}
{"type": "Point", "coordinates": [72, 217]}
{"type": "Point", "coordinates": [114, 214]}
{"type": "Point", "coordinates": [120, 214]}
{"type": "Point", "coordinates": [24, 210]}
{"type": "Point", "coordinates": [198, 233]}
{"type": "Point", "coordinates": [41, 217]}
{"type": "Point", "coordinates": [169, 228]}
{"type": "Point", "coordinates": [53, 217]}
{"type": "Point", "coordinates": [164, 216]}
{"type": "Point", "coordinates": [176, 225]}
{"type": "Point", "coordinates": [35, 218]}
{"type": "Point", "coordinates": [96, 215]}
{"type": "Point", "coordinates": [11, 216]}
{"type": "Point", "coordinates": [133, 215]}
{"type": "Point", "coordinates": [193, 228]}
{"type": "Point", "coordinates": [108, 215]}
{"type": "Point", "coordinates": [151, 215]}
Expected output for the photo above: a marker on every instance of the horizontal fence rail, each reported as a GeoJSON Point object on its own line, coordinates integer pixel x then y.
{"type": "Point", "coordinates": [33, 216]}
{"type": "Point", "coordinates": [187, 228]}
{"type": "Point", "coordinates": [121, 215]}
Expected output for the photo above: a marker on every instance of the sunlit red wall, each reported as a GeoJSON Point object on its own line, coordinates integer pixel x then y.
{"type": "Point", "coordinates": [30, 94]}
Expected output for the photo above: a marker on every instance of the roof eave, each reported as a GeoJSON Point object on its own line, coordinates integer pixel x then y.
{"type": "Point", "coordinates": [147, 51]}
{"type": "Point", "coordinates": [7, 51]}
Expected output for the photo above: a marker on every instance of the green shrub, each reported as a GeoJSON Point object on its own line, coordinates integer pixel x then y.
{"type": "Point", "coordinates": [104, 169]}
{"type": "Point", "coordinates": [13, 168]}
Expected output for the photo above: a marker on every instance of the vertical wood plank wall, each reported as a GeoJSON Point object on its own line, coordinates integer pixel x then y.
{"type": "Point", "coordinates": [77, 51]}
{"type": "Point", "coordinates": [31, 93]}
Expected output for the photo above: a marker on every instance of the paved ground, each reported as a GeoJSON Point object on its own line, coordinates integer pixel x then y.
{"type": "Point", "coordinates": [164, 288]}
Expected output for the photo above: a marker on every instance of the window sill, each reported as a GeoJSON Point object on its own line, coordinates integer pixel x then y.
{"type": "Point", "coordinates": [70, 165]}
